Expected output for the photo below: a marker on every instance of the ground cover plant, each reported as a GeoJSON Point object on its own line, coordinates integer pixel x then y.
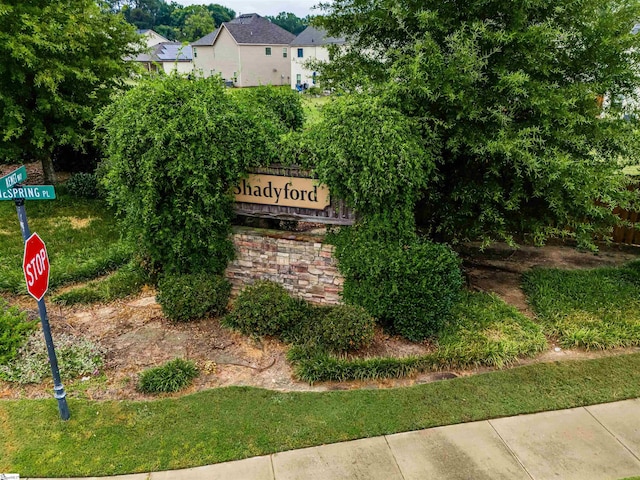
{"type": "Point", "coordinates": [483, 331]}
{"type": "Point", "coordinates": [77, 357]}
{"type": "Point", "coordinates": [119, 437]}
{"type": "Point", "coordinates": [592, 309]}
{"type": "Point", "coordinates": [14, 331]}
{"type": "Point", "coordinates": [82, 238]}
{"type": "Point", "coordinates": [126, 280]}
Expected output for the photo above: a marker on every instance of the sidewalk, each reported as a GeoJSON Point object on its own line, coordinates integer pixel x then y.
{"type": "Point", "coordinates": [588, 443]}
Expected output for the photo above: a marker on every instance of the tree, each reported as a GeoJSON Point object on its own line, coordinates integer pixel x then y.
{"type": "Point", "coordinates": [61, 62]}
{"type": "Point", "coordinates": [197, 24]}
{"type": "Point", "coordinates": [290, 22]}
{"type": "Point", "coordinates": [507, 92]}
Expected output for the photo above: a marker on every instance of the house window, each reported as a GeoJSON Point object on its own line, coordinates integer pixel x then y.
{"type": "Point", "coordinates": [313, 80]}
{"type": "Point", "coordinates": [195, 52]}
{"type": "Point", "coordinates": [284, 53]}
{"type": "Point", "coordinates": [298, 79]}
{"type": "Point", "coordinates": [267, 51]}
{"type": "Point", "coordinates": [300, 52]}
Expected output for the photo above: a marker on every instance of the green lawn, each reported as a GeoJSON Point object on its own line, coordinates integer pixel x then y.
{"type": "Point", "coordinates": [105, 438]}
{"type": "Point", "coordinates": [593, 309]}
{"type": "Point", "coordinates": [82, 238]}
{"type": "Point", "coordinates": [312, 106]}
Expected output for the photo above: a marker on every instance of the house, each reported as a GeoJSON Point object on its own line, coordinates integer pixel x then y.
{"type": "Point", "coordinates": [163, 55]}
{"type": "Point", "coordinates": [311, 44]}
{"type": "Point", "coordinates": [167, 57]}
{"type": "Point", "coordinates": [151, 38]}
{"type": "Point", "coordinates": [248, 51]}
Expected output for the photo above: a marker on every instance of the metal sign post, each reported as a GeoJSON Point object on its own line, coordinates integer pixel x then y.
{"type": "Point", "coordinates": [36, 265]}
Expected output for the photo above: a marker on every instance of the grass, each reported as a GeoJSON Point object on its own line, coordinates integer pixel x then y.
{"type": "Point", "coordinates": [592, 309]}
{"type": "Point", "coordinates": [81, 235]}
{"type": "Point", "coordinates": [106, 438]}
{"type": "Point", "coordinates": [312, 106]}
{"type": "Point", "coordinates": [484, 331]}
{"type": "Point", "coordinates": [127, 280]}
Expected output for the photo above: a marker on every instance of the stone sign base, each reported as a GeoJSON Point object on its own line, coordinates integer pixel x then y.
{"type": "Point", "coordinates": [301, 262]}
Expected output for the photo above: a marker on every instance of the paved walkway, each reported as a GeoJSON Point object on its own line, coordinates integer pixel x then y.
{"type": "Point", "coordinates": [590, 443]}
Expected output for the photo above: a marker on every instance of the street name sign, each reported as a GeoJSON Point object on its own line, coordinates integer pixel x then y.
{"type": "Point", "coordinates": [17, 176]}
{"type": "Point", "coordinates": [29, 192]}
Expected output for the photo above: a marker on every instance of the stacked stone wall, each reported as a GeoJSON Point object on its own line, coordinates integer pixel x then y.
{"type": "Point", "coordinates": [301, 262]}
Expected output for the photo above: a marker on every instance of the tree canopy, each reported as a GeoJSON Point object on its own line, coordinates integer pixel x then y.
{"type": "Point", "coordinates": [172, 20]}
{"type": "Point", "coordinates": [290, 22]}
{"type": "Point", "coordinates": [61, 62]}
{"type": "Point", "coordinates": [507, 95]}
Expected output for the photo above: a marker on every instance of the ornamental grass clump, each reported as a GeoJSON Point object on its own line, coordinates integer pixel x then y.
{"type": "Point", "coordinates": [173, 376]}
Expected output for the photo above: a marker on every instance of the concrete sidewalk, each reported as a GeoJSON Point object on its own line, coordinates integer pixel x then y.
{"type": "Point", "coordinates": [589, 443]}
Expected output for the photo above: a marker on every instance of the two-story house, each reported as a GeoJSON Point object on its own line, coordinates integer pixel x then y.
{"type": "Point", "coordinates": [248, 51]}
{"type": "Point", "coordinates": [311, 44]}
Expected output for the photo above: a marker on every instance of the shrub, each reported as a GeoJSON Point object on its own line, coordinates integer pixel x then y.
{"type": "Point", "coordinates": [14, 331]}
{"type": "Point", "coordinates": [174, 148]}
{"type": "Point", "coordinates": [192, 296]}
{"type": "Point", "coordinates": [170, 377]}
{"type": "Point", "coordinates": [410, 287]}
{"type": "Point", "coordinates": [283, 102]}
{"type": "Point", "coordinates": [83, 185]}
{"type": "Point", "coordinates": [346, 327]}
{"type": "Point", "coordinates": [265, 308]}
{"type": "Point", "coordinates": [76, 357]}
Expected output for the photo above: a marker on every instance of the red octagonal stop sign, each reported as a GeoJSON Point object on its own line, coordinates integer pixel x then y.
{"type": "Point", "coordinates": [36, 266]}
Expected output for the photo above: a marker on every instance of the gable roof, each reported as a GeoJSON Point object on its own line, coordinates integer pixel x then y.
{"type": "Point", "coordinates": [252, 29]}
{"type": "Point", "coordinates": [314, 36]}
{"type": "Point", "coordinates": [207, 40]}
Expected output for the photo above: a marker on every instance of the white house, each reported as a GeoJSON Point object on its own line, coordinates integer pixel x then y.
{"type": "Point", "coordinates": [311, 44]}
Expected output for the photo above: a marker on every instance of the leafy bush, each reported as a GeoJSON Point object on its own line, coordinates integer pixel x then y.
{"type": "Point", "coordinates": [76, 357]}
{"type": "Point", "coordinates": [170, 377]}
{"type": "Point", "coordinates": [174, 147]}
{"type": "Point", "coordinates": [14, 331]}
{"type": "Point", "coordinates": [83, 185]}
{"type": "Point", "coordinates": [283, 102]}
{"type": "Point", "coordinates": [266, 308]}
{"type": "Point", "coordinates": [192, 296]}
{"type": "Point", "coordinates": [410, 287]}
{"type": "Point", "coordinates": [372, 156]}
{"type": "Point", "coordinates": [345, 327]}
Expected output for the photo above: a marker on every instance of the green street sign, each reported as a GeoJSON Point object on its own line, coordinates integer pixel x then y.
{"type": "Point", "coordinates": [29, 192]}
{"type": "Point", "coordinates": [17, 176]}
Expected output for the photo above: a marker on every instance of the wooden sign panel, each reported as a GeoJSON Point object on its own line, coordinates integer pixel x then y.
{"type": "Point", "coordinates": [282, 191]}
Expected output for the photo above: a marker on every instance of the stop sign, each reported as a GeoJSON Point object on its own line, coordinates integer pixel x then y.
{"type": "Point", "coordinates": [36, 266]}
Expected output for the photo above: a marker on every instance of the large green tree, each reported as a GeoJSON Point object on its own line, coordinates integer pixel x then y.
{"type": "Point", "coordinates": [508, 94]}
{"type": "Point", "coordinates": [61, 63]}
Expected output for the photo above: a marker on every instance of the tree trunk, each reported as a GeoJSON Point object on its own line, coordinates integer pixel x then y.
{"type": "Point", "coordinates": [47, 170]}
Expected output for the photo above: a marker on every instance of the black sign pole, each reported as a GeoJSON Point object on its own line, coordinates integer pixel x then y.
{"type": "Point", "coordinates": [58, 389]}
